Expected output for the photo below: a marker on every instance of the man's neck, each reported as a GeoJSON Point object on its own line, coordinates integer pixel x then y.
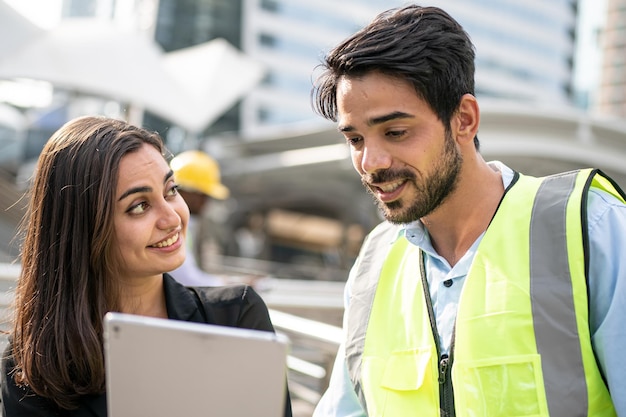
{"type": "Point", "coordinates": [465, 215]}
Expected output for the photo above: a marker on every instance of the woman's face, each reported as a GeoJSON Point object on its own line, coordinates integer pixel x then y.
{"type": "Point", "coordinates": [150, 216]}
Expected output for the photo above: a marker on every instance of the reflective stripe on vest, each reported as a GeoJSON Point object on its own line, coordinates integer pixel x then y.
{"type": "Point", "coordinates": [517, 324]}
{"type": "Point", "coordinates": [554, 314]}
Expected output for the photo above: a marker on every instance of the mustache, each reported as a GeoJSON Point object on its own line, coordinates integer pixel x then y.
{"type": "Point", "coordinates": [387, 175]}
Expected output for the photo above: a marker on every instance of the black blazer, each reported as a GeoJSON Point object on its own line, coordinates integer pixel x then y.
{"type": "Point", "coordinates": [234, 306]}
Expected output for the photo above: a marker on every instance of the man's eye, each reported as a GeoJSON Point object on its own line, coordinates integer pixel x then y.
{"type": "Point", "coordinates": [396, 133]}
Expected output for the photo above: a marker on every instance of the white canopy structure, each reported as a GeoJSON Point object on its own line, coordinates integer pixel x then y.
{"type": "Point", "coordinates": [15, 30]}
{"type": "Point", "coordinates": [190, 88]}
{"type": "Point", "coordinates": [216, 74]}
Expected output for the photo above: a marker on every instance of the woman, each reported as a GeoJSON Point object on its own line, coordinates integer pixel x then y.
{"type": "Point", "coordinates": [105, 223]}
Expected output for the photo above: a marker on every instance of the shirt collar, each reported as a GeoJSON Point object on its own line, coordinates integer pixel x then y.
{"type": "Point", "coordinates": [417, 234]}
{"type": "Point", "coordinates": [180, 301]}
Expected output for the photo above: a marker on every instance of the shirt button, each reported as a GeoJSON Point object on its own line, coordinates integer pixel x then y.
{"type": "Point", "coordinates": [447, 283]}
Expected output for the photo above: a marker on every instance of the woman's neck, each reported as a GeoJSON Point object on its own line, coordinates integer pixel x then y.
{"type": "Point", "coordinates": [144, 296]}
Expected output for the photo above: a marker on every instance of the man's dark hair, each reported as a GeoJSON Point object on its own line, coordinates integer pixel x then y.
{"type": "Point", "coordinates": [422, 45]}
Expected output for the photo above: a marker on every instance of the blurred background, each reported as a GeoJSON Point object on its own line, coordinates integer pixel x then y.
{"type": "Point", "coordinates": [233, 78]}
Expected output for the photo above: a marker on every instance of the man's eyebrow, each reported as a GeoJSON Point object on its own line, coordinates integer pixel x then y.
{"type": "Point", "coordinates": [388, 117]}
{"type": "Point", "coordinates": [134, 190]}
{"type": "Point", "coordinates": [379, 120]}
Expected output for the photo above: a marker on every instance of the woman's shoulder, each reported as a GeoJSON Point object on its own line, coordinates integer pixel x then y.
{"type": "Point", "coordinates": [228, 294]}
{"type": "Point", "coordinates": [234, 305]}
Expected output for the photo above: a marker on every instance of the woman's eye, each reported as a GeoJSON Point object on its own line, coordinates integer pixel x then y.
{"type": "Point", "coordinates": [173, 191]}
{"type": "Point", "coordinates": [138, 208]}
{"type": "Point", "coordinates": [353, 141]}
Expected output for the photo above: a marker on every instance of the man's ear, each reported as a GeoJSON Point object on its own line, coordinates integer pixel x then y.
{"type": "Point", "coordinates": [466, 119]}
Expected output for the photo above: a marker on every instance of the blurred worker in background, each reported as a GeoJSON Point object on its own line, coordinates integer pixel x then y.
{"type": "Point", "coordinates": [199, 181]}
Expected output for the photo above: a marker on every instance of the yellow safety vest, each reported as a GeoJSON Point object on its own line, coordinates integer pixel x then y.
{"type": "Point", "coordinates": [522, 345]}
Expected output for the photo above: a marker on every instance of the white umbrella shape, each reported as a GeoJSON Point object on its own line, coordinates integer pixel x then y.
{"type": "Point", "coordinates": [15, 30]}
{"type": "Point", "coordinates": [217, 75]}
{"type": "Point", "coordinates": [94, 57]}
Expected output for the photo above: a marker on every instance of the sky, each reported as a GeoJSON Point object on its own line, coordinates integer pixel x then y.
{"type": "Point", "coordinates": [46, 13]}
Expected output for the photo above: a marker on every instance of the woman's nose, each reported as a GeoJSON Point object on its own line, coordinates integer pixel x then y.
{"type": "Point", "coordinates": [169, 218]}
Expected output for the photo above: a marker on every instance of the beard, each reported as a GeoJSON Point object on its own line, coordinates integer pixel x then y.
{"type": "Point", "coordinates": [431, 189]}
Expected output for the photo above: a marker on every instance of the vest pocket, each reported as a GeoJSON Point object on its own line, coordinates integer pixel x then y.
{"type": "Point", "coordinates": [403, 381]}
{"type": "Point", "coordinates": [507, 386]}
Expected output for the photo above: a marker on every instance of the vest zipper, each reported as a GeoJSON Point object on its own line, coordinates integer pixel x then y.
{"type": "Point", "coordinates": [446, 392]}
{"type": "Point", "coordinates": [443, 368]}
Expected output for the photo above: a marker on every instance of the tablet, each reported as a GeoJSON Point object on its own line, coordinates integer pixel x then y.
{"type": "Point", "coordinates": [163, 368]}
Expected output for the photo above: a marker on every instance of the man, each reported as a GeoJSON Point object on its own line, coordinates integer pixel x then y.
{"type": "Point", "coordinates": [198, 178]}
{"type": "Point", "coordinates": [486, 292]}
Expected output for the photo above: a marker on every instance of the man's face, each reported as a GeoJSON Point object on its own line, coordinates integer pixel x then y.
{"type": "Point", "coordinates": [406, 158]}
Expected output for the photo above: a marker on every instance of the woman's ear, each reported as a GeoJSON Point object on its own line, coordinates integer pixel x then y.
{"type": "Point", "coordinates": [466, 119]}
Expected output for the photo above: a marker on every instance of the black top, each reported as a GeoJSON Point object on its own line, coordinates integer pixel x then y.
{"type": "Point", "coordinates": [234, 306]}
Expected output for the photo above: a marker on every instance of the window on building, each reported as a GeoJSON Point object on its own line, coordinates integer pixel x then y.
{"type": "Point", "coordinates": [266, 40]}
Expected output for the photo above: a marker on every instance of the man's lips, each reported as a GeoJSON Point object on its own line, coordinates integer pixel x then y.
{"type": "Point", "coordinates": [389, 187]}
{"type": "Point", "coordinates": [389, 191]}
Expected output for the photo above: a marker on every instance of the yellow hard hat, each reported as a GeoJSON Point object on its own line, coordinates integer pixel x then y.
{"type": "Point", "coordinates": [197, 171]}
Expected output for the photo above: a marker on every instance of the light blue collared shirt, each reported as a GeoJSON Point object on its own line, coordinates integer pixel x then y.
{"type": "Point", "coordinates": [607, 291]}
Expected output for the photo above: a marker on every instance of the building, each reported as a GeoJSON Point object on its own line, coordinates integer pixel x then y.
{"type": "Point", "coordinates": [514, 60]}
{"type": "Point", "coordinates": [289, 37]}
{"type": "Point", "coordinates": [612, 91]}
{"type": "Point", "coordinates": [525, 50]}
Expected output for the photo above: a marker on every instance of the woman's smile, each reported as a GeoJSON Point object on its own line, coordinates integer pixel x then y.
{"type": "Point", "coordinates": [168, 242]}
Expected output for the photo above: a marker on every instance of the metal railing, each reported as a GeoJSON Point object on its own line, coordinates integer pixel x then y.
{"type": "Point", "coordinates": [313, 349]}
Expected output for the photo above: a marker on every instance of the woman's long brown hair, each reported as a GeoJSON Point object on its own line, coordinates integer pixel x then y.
{"type": "Point", "coordinates": [67, 279]}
